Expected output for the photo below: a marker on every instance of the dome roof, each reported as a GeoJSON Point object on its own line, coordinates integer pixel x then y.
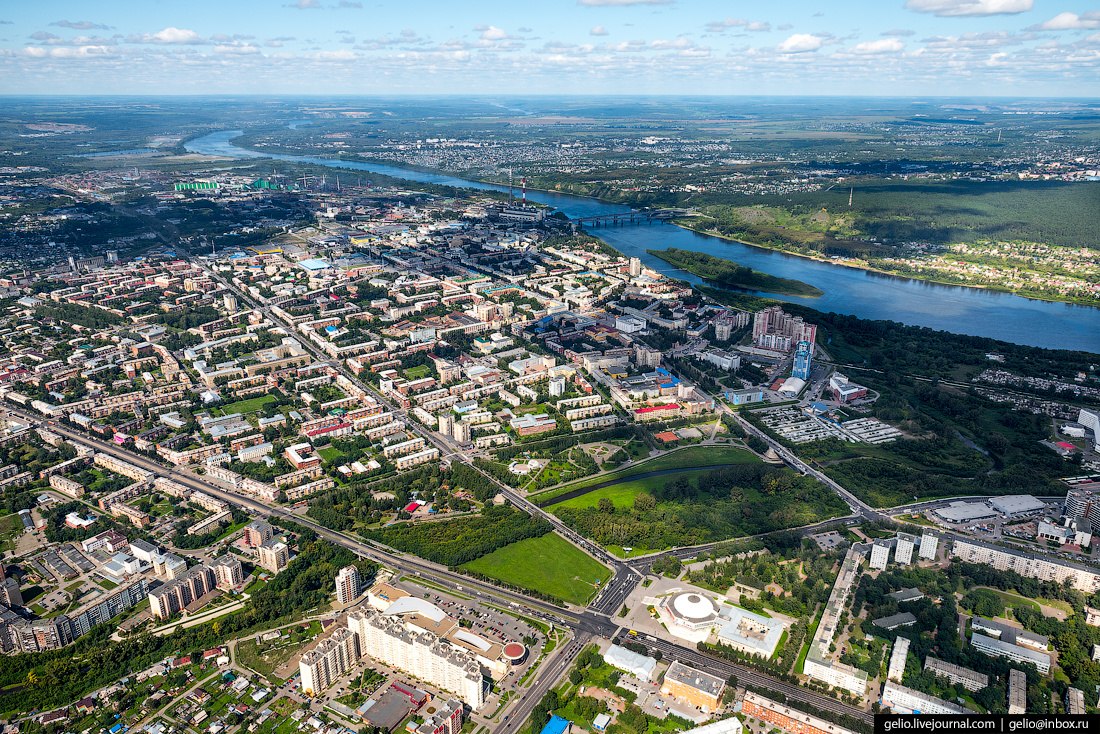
{"type": "Point", "coordinates": [694, 607]}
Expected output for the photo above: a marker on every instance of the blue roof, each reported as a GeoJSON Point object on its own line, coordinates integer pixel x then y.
{"type": "Point", "coordinates": [314, 264]}
{"type": "Point", "coordinates": [556, 725]}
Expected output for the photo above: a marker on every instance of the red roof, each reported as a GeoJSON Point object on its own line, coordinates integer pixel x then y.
{"type": "Point", "coordinates": [655, 408]}
{"type": "Point", "coordinates": [327, 429]}
{"type": "Point", "coordinates": [412, 507]}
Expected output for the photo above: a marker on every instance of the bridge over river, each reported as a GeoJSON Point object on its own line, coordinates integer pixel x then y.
{"type": "Point", "coordinates": [624, 219]}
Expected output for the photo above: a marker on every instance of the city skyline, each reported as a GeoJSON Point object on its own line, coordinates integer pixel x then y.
{"type": "Point", "coordinates": [905, 47]}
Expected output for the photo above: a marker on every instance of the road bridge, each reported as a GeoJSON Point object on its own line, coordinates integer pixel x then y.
{"type": "Point", "coordinates": [641, 216]}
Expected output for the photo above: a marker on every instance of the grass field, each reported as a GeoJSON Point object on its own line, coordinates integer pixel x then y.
{"type": "Point", "coordinates": [623, 494]}
{"type": "Point", "coordinates": [549, 564]}
{"type": "Point", "coordinates": [691, 457]}
{"type": "Point", "coordinates": [245, 406]}
{"type": "Point", "coordinates": [417, 373]}
{"type": "Point", "coordinates": [10, 528]}
{"type": "Point", "coordinates": [1013, 601]}
{"type": "Point", "coordinates": [331, 454]}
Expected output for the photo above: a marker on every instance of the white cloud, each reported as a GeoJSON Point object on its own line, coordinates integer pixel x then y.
{"type": "Point", "coordinates": [492, 33]}
{"type": "Point", "coordinates": [340, 55]}
{"type": "Point", "coordinates": [1070, 22]}
{"type": "Point", "coordinates": [66, 52]}
{"type": "Point", "coordinates": [621, 3]}
{"type": "Point", "coordinates": [306, 5]}
{"type": "Point", "coordinates": [881, 46]}
{"type": "Point", "coordinates": [598, 30]}
{"type": "Point", "coordinates": [171, 34]}
{"type": "Point", "coordinates": [948, 8]}
{"type": "Point", "coordinates": [81, 25]}
{"type": "Point", "coordinates": [898, 32]}
{"type": "Point", "coordinates": [717, 26]}
{"type": "Point", "coordinates": [800, 43]}
{"type": "Point", "coordinates": [236, 50]}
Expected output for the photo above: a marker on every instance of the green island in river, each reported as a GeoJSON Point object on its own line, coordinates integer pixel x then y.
{"type": "Point", "coordinates": [729, 274]}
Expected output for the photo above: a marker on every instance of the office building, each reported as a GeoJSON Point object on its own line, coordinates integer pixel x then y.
{"type": "Point", "coordinates": [274, 555]}
{"type": "Point", "coordinates": [929, 544]}
{"type": "Point", "coordinates": [1017, 692]}
{"type": "Point", "coordinates": [803, 355]}
{"type": "Point", "coordinates": [324, 664]}
{"type": "Point", "coordinates": [695, 687]}
{"type": "Point", "coordinates": [969, 679]}
{"type": "Point", "coordinates": [640, 666]}
{"type": "Point", "coordinates": [347, 585]}
{"type": "Point", "coordinates": [898, 656]}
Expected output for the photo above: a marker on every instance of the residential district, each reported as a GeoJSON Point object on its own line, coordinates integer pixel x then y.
{"type": "Point", "coordinates": [347, 479]}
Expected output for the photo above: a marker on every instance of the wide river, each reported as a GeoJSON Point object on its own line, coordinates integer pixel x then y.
{"type": "Point", "coordinates": [847, 290]}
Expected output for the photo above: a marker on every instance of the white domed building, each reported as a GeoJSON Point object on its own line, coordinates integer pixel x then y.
{"type": "Point", "coordinates": [689, 614]}
{"type": "Point", "coordinates": [694, 615]}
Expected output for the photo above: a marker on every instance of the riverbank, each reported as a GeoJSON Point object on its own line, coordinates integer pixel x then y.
{"type": "Point", "coordinates": [862, 265]}
{"type": "Point", "coordinates": [848, 290]}
{"type": "Point", "coordinates": [729, 274]}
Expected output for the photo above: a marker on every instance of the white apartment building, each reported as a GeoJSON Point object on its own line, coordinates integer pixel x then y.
{"type": "Point", "coordinates": [347, 585]}
{"type": "Point", "coordinates": [388, 640]}
{"type": "Point", "coordinates": [880, 555]}
{"type": "Point", "coordinates": [929, 544]}
{"type": "Point", "coordinates": [1025, 564]}
{"type": "Point", "coordinates": [321, 666]}
{"type": "Point", "coordinates": [898, 657]}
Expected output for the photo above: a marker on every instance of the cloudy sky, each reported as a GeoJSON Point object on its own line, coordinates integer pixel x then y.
{"type": "Point", "coordinates": [869, 47]}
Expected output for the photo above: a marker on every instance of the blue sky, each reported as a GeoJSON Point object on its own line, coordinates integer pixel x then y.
{"type": "Point", "coordinates": [866, 47]}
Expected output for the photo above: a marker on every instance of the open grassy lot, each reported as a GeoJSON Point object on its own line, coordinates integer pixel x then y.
{"type": "Point", "coordinates": [549, 564]}
{"type": "Point", "coordinates": [691, 457]}
{"type": "Point", "coordinates": [331, 454]}
{"type": "Point", "coordinates": [10, 528]}
{"type": "Point", "coordinates": [417, 373]}
{"type": "Point", "coordinates": [245, 406]}
{"type": "Point", "coordinates": [623, 494]}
